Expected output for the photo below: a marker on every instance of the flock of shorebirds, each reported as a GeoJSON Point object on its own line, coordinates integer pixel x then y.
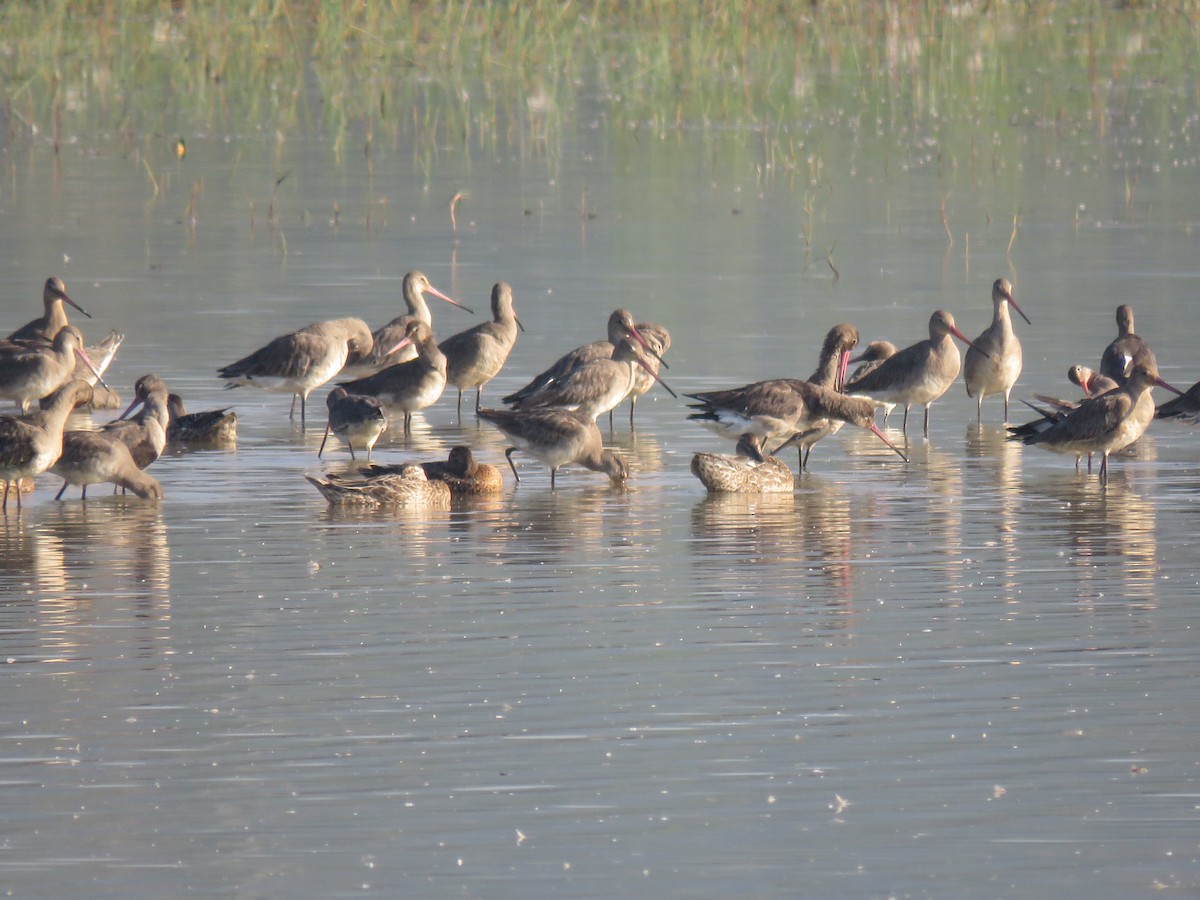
{"type": "Point", "coordinates": [401, 369]}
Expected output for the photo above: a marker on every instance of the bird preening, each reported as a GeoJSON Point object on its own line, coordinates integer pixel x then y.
{"type": "Point", "coordinates": [402, 370]}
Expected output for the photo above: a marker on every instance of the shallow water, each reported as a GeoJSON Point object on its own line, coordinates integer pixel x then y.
{"type": "Point", "coordinates": [972, 674]}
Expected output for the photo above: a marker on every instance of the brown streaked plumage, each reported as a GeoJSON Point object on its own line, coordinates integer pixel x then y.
{"type": "Point", "coordinates": [408, 487]}
{"type": "Point", "coordinates": [918, 374]}
{"type": "Point", "coordinates": [299, 362]}
{"type": "Point", "coordinates": [357, 419]}
{"type": "Point", "coordinates": [212, 426]}
{"type": "Point", "coordinates": [475, 356]}
{"type": "Point", "coordinates": [413, 289]}
{"type": "Point", "coordinates": [94, 457]}
{"type": "Point", "coordinates": [53, 320]}
{"type": "Point", "coordinates": [465, 476]}
{"type": "Point", "coordinates": [993, 364]}
{"type": "Point", "coordinates": [557, 437]}
{"type": "Point", "coordinates": [1101, 424]}
{"type": "Point", "coordinates": [411, 386]}
{"type": "Point", "coordinates": [748, 472]}
{"type": "Point", "coordinates": [30, 446]}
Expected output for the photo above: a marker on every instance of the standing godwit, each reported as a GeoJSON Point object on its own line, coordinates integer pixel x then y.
{"type": "Point", "coordinates": [749, 472]}
{"type": "Point", "coordinates": [413, 289]}
{"type": "Point", "coordinates": [299, 362]}
{"type": "Point", "coordinates": [30, 446]}
{"type": "Point", "coordinates": [781, 409]}
{"type": "Point", "coordinates": [830, 373]}
{"type": "Point", "coordinates": [620, 325]}
{"type": "Point", "coordinates": [1101, 424]}
{"type": "Point", "coordinates": [355, 418]}
{"type": "Point", "coordinates": [556, 437]}
{"type": "Point", "coordinates": [993, 362]}
{"type": "Point", "coordinates": [53, 320]}
{"type": "Point", "coordinates": [409, 386]}
{"type": "Point", "coordinates": [597, 386]}
{"type": "Point", "coordinates": [658, 340]}
{"type": "Point", "coordinates": [94, 457]}
{"type": "Point", "coordinates": [475, 356]}
{"type": "Point", "coordinates": [408, 487]}
{"type": "Point", "coordinates": [1093, 385]}
{"type": "Point", "coordinates": [29, 373]}
{"type": "Point", "coordinates": [213, 426]}
{"type": "Point", "coordinates": [920, 373]}
{"type": "Point", "coordinates": [1126, 350]}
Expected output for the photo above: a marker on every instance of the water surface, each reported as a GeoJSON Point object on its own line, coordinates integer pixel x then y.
{"type": "Point", "coordinates": [971, 675]}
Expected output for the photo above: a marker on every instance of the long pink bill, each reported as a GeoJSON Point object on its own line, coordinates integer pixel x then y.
{"type": "Point", "coordinates": [970, 343]}
{"type": "Point", "coordinates": [1165, 386]}
{"type": "Point", "coordinates": [879, 434]}
{"type": "Point", "coordinates": [1013, 303]}
{"type": "Point", "coordinates": [637, 336]}
{"type": "Point", "coordinates": [403, 342]}
{"type": "Point", "coordinates": [61, 295]}
{"type": "Point", "coordinates": [644, 365]}
{"type": "Point", "coordinates": [91, 368]}
{"type": "Point", "coordinates": [430, 289]}
{"type": "Point", "coordinates": [843, 365]}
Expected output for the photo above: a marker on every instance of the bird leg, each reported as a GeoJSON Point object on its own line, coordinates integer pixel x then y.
{"type": "Point", "coordinates": [508, 455]}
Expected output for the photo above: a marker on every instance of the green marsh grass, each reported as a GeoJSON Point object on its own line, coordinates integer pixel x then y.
{"type": "Point", "coordinates": [801, 93]}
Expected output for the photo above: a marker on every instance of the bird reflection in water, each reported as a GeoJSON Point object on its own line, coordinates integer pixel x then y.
{"type": "Point", "coordinates": [921, 517]}
{"type": "Point", "coordinates": [797, 544]}
{"type": "Point", "coordinates": [550, 532]}
{"type": "Point", "coordinates": [82, 554]}
{"type": "Point", "coordinates": [116, 538]}
{"type": "Point", "coordinates": [1101, 536]}
{"type": "Point", "coordinates": [995, 461]}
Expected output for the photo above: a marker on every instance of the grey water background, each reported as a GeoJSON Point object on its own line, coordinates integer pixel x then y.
{"type": "Point", "coordinates": [969, 675]}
